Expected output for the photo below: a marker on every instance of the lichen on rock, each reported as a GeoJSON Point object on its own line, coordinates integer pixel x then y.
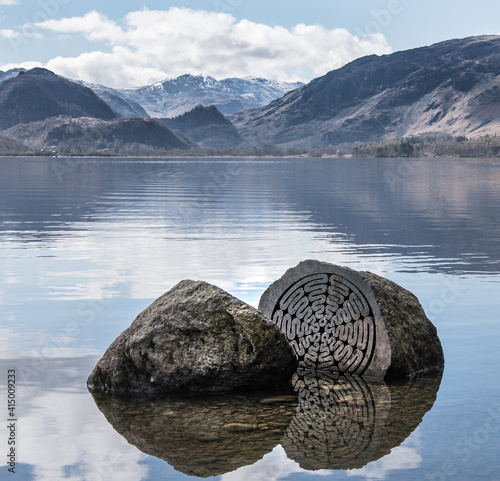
{"type": "Point", "coordinates": [195, 338]}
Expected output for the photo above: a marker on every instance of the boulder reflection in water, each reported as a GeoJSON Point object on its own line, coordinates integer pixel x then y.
{"type": "Point", "coordinates": [205, 436]}
{"type": "Point", "coordinates": [336, 423]}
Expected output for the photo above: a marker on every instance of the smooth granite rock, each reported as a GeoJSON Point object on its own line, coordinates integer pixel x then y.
{"type": "Point", "coordinates": [195, 338]}
{"type": "Point", "coordinates": [339, 320]}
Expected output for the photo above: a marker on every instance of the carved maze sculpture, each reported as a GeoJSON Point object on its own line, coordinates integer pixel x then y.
{"type": "Point", "coordinates": [328, 322]}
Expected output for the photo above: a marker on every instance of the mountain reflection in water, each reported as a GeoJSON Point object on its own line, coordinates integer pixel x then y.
{"type": "Point", "coordinates": [328, 423]}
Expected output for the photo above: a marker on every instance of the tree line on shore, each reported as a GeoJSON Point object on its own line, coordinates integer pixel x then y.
{"type": "Point", "coordinates": [460, 146]}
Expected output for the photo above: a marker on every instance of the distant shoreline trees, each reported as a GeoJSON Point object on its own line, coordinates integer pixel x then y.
{"type": "Point", "coordinates": [460, 146]}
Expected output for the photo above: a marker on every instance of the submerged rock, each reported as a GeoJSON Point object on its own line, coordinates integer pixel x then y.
{"type": "Point", "coordinates": [195, 338]}
{"type": "Point", "coordinates": [340, 320]}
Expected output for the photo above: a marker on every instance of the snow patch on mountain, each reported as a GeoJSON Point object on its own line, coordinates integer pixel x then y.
{"type": "Point", "coordinates": [175, 96]}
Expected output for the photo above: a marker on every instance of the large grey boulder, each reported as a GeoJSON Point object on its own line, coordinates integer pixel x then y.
{"type": "Point", "coordinates": [413, 338]}
{"type": "Point", "coordinates": [195, 338]}
{"type": "Point", "coordinates": [339, 320]}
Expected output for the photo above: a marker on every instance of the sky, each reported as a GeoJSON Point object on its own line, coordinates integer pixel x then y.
{"type": "Point", "coordinates": [132, 43]}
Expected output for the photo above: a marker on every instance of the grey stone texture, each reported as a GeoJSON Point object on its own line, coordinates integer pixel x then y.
{"type": "Point", "coordinates": [356, 323]}
{"type": "Point", "coordinates": [415, 345]}
{"type": "Point", "coordinates": [195, 338]}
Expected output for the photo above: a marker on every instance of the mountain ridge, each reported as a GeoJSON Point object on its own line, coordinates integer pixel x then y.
{"type": "Point", "coordinates": [66, 135]}
{"type": "Point", "coordinates": [173, 97]}
{"type": "Point", "coordinates": [116, 100]}
{"type": "Point", "coordinates": [13, 72]}
{"type": "Point", "coordinates": [429, 90]}
{"type": "Point", "coordinates": [38, 94]}
{"type": "Point", "coordinates": [207, 127]}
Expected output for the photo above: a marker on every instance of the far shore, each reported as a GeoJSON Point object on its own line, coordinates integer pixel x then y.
{"type": "Point", "coordinates": [191, 155]}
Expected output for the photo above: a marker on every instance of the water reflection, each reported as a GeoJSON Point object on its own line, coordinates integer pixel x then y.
{"type": "Point", "coordinates": [61, 433]}
{"type": "Point", "coordinates": [93, 246]}
{"type": "Point", "coordinates": [329, 424]}
{"type": "Point", "coordinates": [345, 423]}
{"type": "Point", "coordinates": [202, 437]}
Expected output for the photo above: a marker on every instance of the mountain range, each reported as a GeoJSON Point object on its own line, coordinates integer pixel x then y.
{"type": "Point", "coordinates": [176, 96]}
{"type": "Point", "coordinates": [448, 89]}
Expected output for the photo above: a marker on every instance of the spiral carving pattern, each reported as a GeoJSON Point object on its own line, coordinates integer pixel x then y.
{"type": "Point", "coordinates": [328, 322]}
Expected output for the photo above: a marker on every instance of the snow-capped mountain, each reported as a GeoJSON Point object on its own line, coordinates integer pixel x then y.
{"type": "Point", "coordinates": [173, 97]}
{"type": "Point", "coordinates": [116, 100]}
{"type": "Point", "coordinates": [13, 72]}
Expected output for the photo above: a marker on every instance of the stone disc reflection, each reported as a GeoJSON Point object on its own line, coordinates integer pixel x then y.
{"type": "Point", "coordinates": [345, 423]}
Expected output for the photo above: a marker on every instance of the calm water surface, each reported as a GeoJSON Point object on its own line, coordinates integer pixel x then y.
{"type": "Point", "coordinates": [86, 244]}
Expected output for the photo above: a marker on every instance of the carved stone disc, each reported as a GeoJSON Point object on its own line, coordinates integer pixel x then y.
{"type": "Point", "coordinates": [331, 319]}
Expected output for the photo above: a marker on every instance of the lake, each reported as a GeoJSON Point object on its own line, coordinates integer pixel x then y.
{"type": "Point", "coordinates": [88, 243]}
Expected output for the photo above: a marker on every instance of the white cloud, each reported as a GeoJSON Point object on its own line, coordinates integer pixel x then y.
{"type": "Point", "coordinates": [26, 65]}
{"type": "Point", "coordinates": [277, 466]}
{"type": "Point", "coordinates": [93, 25]}
{"type": "Point", "coordinates": [64, 436]}
{"type": "Point", "coordinates": [9, 33]}
{"type": "Point", "coordinates": [8, 3]}
{"type": "Point", "coordinates": [150, 45]}
{"type": "Point", "coordinates": [400, 458]}
{"type": "Point", "coordinates": [274, 466]}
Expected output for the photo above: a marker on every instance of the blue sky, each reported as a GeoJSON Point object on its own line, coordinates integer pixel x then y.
{"type": "Point", "coordinates": [131, 43]}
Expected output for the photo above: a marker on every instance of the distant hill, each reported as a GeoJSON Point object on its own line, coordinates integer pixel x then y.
{"type": "Point", "coordinates": [174, 97]}
{"type": "Point", "coordinates": [10, 146]}
{"type": "Point", "coordinates": [90, 135]}
{"type": "Point", "coordinates": [207, 126]}
{"type": "Point", "coordinates": [451, 88]}
{"type": "Point", "coordinates": [39, 94]}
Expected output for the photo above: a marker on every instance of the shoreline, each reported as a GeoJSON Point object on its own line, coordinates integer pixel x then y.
{"type": "Point", "coordinates": [236, 156]}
